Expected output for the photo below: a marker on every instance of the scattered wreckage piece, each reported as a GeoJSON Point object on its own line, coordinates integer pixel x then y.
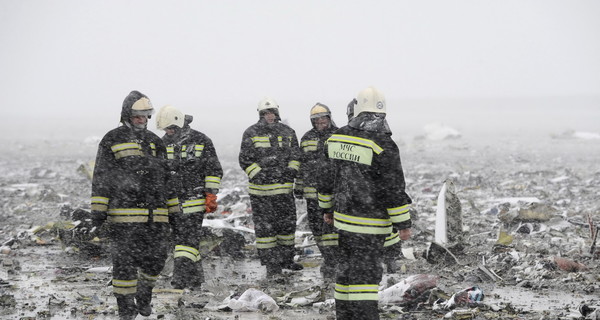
{"type": "Point", "coordinates": [410, 291]}
{"type": "Point", "coordinates": [448, 222]}
{"type": "Point", "coordinates": [438, 254]}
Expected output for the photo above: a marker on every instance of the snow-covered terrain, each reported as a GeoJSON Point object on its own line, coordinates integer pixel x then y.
{"type": "Point", "coordinates": [526, 208]}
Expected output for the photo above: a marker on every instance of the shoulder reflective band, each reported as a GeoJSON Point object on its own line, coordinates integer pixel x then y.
{"type": "Point", "coordinates": [361, 224]}
{"type": "Point", "coordinates": [198, 150]}
{"type": "Point", "coordinates": [325, 200]}
{"type": "Point", "coordinates": [399, 214]}
{"type": "Point", "coordinates": [357, 141]}
{"type": "Point", "coordinates": [212, 182]}
{"type": "Point", "coordinates": [253, 170]}
{"type": "Point", "coordinates": [392, 239]}
{"type": "Point", "coordinates": [261, 142]}
{"type": "Point", "coordinates": [270, 189]}
{"type": "Point", "coordinates": [170, 152]}
{"type": "Point", "coordinates": [99, 204]}
{"type": "Point", "coordinates": [356, 292]}
{"type": "Point", "coordinates": [126, 150]}
{"type": "Point", "coordinates": [309, 145]}
{"type": "Point", "coordinates": [124, 286]}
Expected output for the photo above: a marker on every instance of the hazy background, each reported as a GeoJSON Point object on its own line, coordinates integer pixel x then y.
{"type": "Point", "coordinates": [486, 68]}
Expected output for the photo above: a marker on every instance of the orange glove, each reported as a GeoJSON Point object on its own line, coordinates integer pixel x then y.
{"type": "Point", "coordinates": [211, 202]}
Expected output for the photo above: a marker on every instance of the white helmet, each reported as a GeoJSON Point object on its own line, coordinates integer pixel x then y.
{"type": "Point", "coordinates": [267, 103]}
{"type": "Point", "coordinates": [370, 100]}
{"type": "Point", "coordinates": [169, 116]}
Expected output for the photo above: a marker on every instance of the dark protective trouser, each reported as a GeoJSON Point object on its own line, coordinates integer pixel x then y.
{"type": "Point", "coordinates": [139, 251]}
{"type": "Point", "coordinates": [325, 235]}
{"type": "Point", "coordinates": [274, 219]}
{"type": "Point", "coordinates": [358, 275]}
{"type": "Point", "coordinates": [187, 233]}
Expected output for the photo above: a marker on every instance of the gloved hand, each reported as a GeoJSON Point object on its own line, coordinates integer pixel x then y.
{"type": "Point", "coordinates": [328, 217]}
{"type": "Point", "coordinates": [211, 202]}
{"type": "Point", "coordinates": [405, 234]}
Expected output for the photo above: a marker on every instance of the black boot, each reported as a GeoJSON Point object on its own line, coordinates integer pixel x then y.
{"type": "Point", "coordinates": [197, 276]}
{"type": "Point", "coordinates": [180, 273]}
{"type": "Point", "coordinates": [127, 307]}
{"type": "Point", "coordinates": [143, 298]}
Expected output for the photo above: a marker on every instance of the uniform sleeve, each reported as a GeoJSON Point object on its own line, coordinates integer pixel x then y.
{"type": "Point", "coordinates": [172, 183]}
{"type": "Point", "coordinates": [394, 196]}
{"type": "Point", "coordinates": [299, 183]}
{"type": "Point", "coordinates": [325, 183]}
{"type": "Point", "coordinates": [247, 157]}
{"type": "Point", "coordinates": [294, 160]}
{"type": "Point", "coordinates": [102, 181]}
{"type": "Point", "coordinates": [214, 171]}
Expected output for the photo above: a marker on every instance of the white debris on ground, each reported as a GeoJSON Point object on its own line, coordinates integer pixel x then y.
{"type": "Point", "coordinates": [529, 214]}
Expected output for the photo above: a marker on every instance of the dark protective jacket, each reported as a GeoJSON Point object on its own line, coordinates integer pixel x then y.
{"type": "Point", "coordinates": [364, 185]}
{"type": "Point", "coordinates": [192, 155]}
{"type": "Point", "coordinates": [312, 159]}
{"type": "Point", "coordinates": [269, 155]}
{"type": "Point", "coordinates": [131, 182]}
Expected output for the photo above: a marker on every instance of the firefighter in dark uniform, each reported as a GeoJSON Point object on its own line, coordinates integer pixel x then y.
{"type": "Point", "coordinates": [193, 158]}
{"type": "Point", "coordinates": [313, 158]}
{"type": "Point", "coordinates": [392, 245]}
{"type": "Point", "coordinates": [133, 191]}
{"type": "Point", "coordinates": [269, 155]}
{"type": "Point", "coordinates": [364, 193]}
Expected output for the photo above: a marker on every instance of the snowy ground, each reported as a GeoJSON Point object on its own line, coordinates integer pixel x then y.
{"type": "Point", "coordinates": [42, 277]}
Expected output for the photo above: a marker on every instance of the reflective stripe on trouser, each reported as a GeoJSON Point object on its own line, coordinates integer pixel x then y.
{"type": "Point", "coordinates": [358, 275]}
{"type": "Point", "coordinates": [275, 225]}
{"type": "Point", "coordinates": [139, 252]}
{"type": "Point", "coordinates": [187, 234]}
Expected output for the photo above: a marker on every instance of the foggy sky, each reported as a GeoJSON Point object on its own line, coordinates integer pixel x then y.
{"type": "Point", "coordinates": [67, 65]}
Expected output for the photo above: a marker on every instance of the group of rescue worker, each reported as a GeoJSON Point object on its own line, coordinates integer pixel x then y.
{"type": "Point", "coordinates": [155, 192]}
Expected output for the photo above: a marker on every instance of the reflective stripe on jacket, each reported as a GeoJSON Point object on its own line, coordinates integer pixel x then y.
{"type": "Point", "coordinates": [364, 185]}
